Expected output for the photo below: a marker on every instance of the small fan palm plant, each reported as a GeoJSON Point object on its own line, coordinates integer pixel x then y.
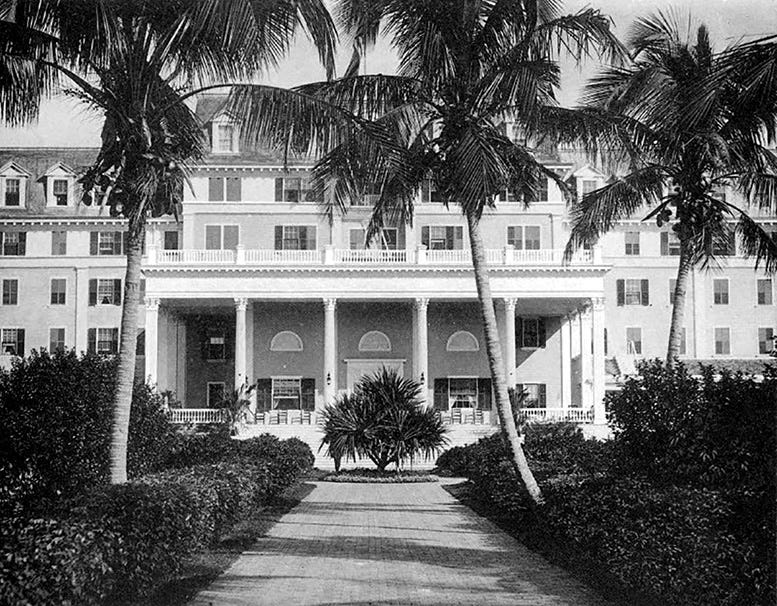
{"type": "Point", "coordinates": [383, 421]}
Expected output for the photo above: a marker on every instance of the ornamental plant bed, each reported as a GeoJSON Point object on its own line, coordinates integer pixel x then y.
{"type": "Point", "coordinates": [373, 476]}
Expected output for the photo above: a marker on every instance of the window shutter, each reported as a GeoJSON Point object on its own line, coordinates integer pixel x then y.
{"type": "Point", "coordinates": [93, 243]}
{"type": "Point", "coordinates": [91, 340]}
{"type": "Point", "coordinates": [120, 242]}
{"type": "Point", "coordinates": [20, 342]}
{"type": "Point", "coordinates": [458, 238]}
{"type": "Point", "coordinates": [310, 238]}
{"type": "Point", "coordinates": [541, 331]}
{"type": "Point", "coordinates": [543, 395]}
{"type": "Point", "coordinates": [441, 394]}
{"type": "Point", "coordinates": [22, 243]}
{"type": "Point", "coordinates": [484, 394]}
{"type": "Point", "coordinates": [426, 190]}
{"type": "Point", "coordinates": [621, 290]}
{"type": "Point", "coordinates": [212, 237]}
{"type": "Point", "coordinates": [231, 237]}
{"type": "Point", "coordinates": [114, 340]}
{"type": "Point", "coordinates": [450, 238]}
{"type": "Point", "coordinates": [92, 292]}
{"type": "Point", "coordinates": [308, 394]}
{"type": "Point", "coordinates": [216, 189]}
{"type": "Point", "coordinates": [117, 292]}
{"type": "Point", "coordinates": [263, 395]}
{"type": "Point", "coordinates": [664, 243]}
{"type": "Point", "coordinates": [518, 332]}
{"type": "Point", "coordinates": [645, 287]}
{"type": "Point", "coordinates": [425, 236]}
{"type": "Point", "coordinates": [279, 189]}
{"type": "Point", "coordinates": [234, 189]}
{"type": "Point", "coordinates": [279, 237]}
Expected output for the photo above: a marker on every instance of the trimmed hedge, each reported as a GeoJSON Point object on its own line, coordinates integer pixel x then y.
{"type": "Point", "coordinates": [125, 540]}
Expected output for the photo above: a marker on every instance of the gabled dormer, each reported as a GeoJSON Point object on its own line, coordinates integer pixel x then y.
{"type": "Point", "coordinates": [59, 183]}
{"type": "Point", "coordinates": [224, 135]}
{"type": "Point", "coordinates": [14, 180]}
{"type": "Point", "coordinates": [586, 179]}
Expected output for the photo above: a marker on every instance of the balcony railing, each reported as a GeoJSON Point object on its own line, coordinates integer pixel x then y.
{"type": "Point", "coordinates": [495, 257]}
{"type": "Point", "coordinates": [196, 415]}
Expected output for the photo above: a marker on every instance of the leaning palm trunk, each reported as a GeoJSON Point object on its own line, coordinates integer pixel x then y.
{"type": "Point", "coordinates": [678, 304]}
{"type": "Point", "coordinates": [509, 430]}
{"type": "Point", "coordinates": [125, 374]}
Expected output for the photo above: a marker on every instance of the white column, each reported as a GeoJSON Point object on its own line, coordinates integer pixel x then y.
{"type": "Point", "coordinates": [250, 376]}
{"type": "Point", "coordinates": [598, 361]}
{"type": "Point", "coordinates": [566, 361]}
{"type": "Point", "coordinates": [240, 342]}
{"type": "Point", "coordinates": [152, 339]}
{"type": "Point", "coordinates": [510, 341]}
{"type": "Point", "coordinates": [330, 357]}
{"type": "Point", "coordinates": [80, 322]}
{"type": "Point", "coordinates": [422, 346]}
{"type": "Point", "coordinates": [586, 357]}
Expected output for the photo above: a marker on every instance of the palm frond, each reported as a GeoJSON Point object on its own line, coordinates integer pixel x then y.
{"type": "Point", "coordinates": [586, 33]}
{"type": "Point", "coordinates": [758, 243]}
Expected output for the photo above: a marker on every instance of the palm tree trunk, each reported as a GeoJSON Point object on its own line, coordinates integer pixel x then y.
{"type": "Point", "coordinates": [510, 434]}
{"type": "Point", "coordinates": [125, 374]}
{"type": "Point", "coordinates": [678, 305]}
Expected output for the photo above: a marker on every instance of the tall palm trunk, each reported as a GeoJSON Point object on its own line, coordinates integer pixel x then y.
{"type": "Point", "coordinates": [678, 304]}
{"type": "Point", "coordinates": [125, 374]}
{"type": "Point", "coordinates": [494, 351]}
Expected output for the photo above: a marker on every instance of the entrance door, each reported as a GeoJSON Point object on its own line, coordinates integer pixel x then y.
{"type": "Point", "coordinates": [360, 368]}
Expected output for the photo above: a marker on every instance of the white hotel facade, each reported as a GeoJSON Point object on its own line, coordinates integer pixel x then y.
{"type": "Point", "coordinates": [254, 285]}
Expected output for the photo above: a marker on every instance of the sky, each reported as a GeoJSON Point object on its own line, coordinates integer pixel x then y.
{"type": "Point", "coordinates": [64, 123]}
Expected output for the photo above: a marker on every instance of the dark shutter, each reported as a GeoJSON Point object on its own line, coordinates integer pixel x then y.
{"type": "Point", "coordinates": [93, 243]}
{"type": "Point", "coordinates": [205, 344]}
{"type": "Point", "coordinates": [22, 243]}
{"type": "Point", "coordinates": [117, 292]}
{"type": "Point", "coordinates": [91, 340]}
{"type": "Point", "coordinates": [518, 333]}
{"type": "Point", "coordinates": [441, 394]}
{"type": "Point", "coordinates": [20, 342]}
{"type": "Point", "coordinates": [310, 238]}
{"type": "Point", "coordinates": [92, 292]}
{"type": "Point", "coordinates": [279, 189]}
{"type": "Point", "coordinates": [484, 394]}
{"type": "Point", "coordinates": [263, 395]}
{"type": "Point", "coordinates": [621, 290]}
{"type": "Point", "coordinates": [543, 395]}
{"type": "Point", "coordinates": [541, 330]}
{"type": "Point", "coordinates": [216, 189]}
{"type": "Point", "coordinates": [458, 238]}
{"type": "Point", "coordinates": [645, 288]}
{"type": "Point", "coordinates": [664, 243]}
{"type": "Point", "coordinates": [140, 343]}
{"type": "Point", "coordinates": [234, 189]}
{"type": "Point", "coordinates": [114, 340]}
{"type": "Point", "coordinates": [309, 394]}
{"type": "Point", "coordinates": [279, 237]}
{"type": "Point", "coordinates": [120, 242]}
{"type": "Point", "coordinates": [425, 236]}
{"type": "Point", "coordinates": [425, 190]}
{"type": "Point", "coordinates": [449, 238]}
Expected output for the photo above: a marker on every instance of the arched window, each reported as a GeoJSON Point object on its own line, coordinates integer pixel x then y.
{"type": "Point", "coordinates": [462, 341]}
{"type": "Point", "coordinates": [374, 341]}
{"type": "Point", "coordinates": [286, 341]}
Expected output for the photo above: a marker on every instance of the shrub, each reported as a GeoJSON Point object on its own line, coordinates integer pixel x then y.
{"type": "Point", "coordinates": [384, 421]}
{"type": "Point", "coordinates": [55, 435]}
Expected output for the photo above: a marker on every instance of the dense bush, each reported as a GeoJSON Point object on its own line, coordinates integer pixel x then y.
{"type": "Point", "coordinates": [55, 434]}
{"type": "Point", "coordinates": [125, 540]}
{"type": "Point", "coordinates": [383, 421]}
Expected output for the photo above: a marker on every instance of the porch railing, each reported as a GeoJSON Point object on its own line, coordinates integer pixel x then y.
{"type": "Point", "coordinates": [196, 415]}
{"type": "Point", "coordinates": [368, 256]}
{"type": "Point", "coordinates": [282, 257]}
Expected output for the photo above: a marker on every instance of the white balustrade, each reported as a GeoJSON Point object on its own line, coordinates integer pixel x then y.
{"type": "Point", "coordinates": [196, 415]}
{"type": "Point", "coordinates": [448, 257]}
{"type": "Point", "coordinates": [195, 257]}
{"type": "Point", "coordinates": [282, 257]}
{"type": "Point", "coordinates": [377, 256]}
{"type": "Point", "coordinates": [495, 256]}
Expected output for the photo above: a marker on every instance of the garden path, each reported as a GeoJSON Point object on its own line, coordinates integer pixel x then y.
{"type": "Point", "coordinates": [380, 544]}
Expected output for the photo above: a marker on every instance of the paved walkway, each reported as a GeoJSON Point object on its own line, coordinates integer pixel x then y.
{"type": "Point", "coordinates": [409, 544]}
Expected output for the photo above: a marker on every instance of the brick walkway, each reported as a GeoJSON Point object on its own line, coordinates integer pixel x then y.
{"type": "Point", "coordinates": [409, 544]}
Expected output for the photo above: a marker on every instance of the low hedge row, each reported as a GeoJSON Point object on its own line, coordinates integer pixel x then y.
{"type": "Point", "coordinates": [126, 540]}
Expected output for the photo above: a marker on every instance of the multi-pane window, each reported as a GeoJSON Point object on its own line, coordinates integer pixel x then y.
{"type": "Point", "coordinates": [225, 138]}
{"type": "Point", "coordinates": [589, 185]}
{"type": "Point", "coordinates": [388, 238]}
{"type": "Point", "coordinates": [356, 239]}
{"type": "Point", "coordinates": [58, 243]}
{"type": "Point", "coordinates": [216, 344]}
{"type": "Point", "coordinates": [56, 339]}
{"type": "Point", "coordinates": [13, 243]}
{"type": "Point", "coordinates": [633, 292]}
{"type": "Point", "coordinates": [765, 340]}
{"type": "Point", "coordinates": [11, 291]}
{"type": "Point", "coordinates": [59, 188]}
{"type": "Point", "coordinates": [58, 291]}
{"type": "Point", "coordinates": [222, 189]}
{"type": "Point", "coordinates": [104, 292]}
{"type": "Point", "coordinates": [103, 340]}
{"type": "Point", "coordinates": [532, 333]}
{"type": "Point", "coordinates": [216, 392]}
{"type": "Point", "coordinates": [524, 237]}
{"type": "Point", "coordinates": [764, 291]}
{"type": "Point", "coordinates": [442, 237]}
{"type": "Point", "coordinates": [632, 242]}
{"type": "Point", "coordinates": [722, 340]}
{"type": "Point", "coordinates": [295, 237]}
{"type": "Point", "coordinates": [13, 192]}
{"type": "Point", "coordinates": [294, 189]}
{"type": "Point", "coordinates": [222, 237]}
{"type": "Point", "coordinates": [536, 394]}
{"type": "Point", "coordinates": [170, 240]}
{"type": "Point", "coordinates": [463, 393]}
{"type": "Point", "coordinates": [429, 192]}
{"type": "Point", "coordinates": [106, 242]}
{"type": "Point", "coordinates": [634, 340]}
{"type": "Point", "coordinates": [12, 341]}
{"type": "Point", "coordinates": [670, 244]}
{"type": "Point", "coordinates": [286, 393]}
{"type": "Point", "coordinates": [720, 291]}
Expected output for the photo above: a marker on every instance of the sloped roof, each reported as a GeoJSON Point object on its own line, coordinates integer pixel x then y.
{"type": "Point", "coordinates": [208, 106]}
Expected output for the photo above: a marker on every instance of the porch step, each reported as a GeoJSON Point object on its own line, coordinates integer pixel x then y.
{"type": "Point", "coordinates": [458, 435]}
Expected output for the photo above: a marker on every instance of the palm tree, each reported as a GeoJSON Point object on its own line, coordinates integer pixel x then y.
{"type": "Point", "coordinates": [697, 121]}
{"type": "Point", "coordinates": [464, 68]}
{"type": "Point", "coordinates": [137, 62]}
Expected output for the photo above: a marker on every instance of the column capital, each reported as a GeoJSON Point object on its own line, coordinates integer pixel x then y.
{"type": "Point", "coordinates": [510, 303]}
{"type": "Point", "coordinates": [422, 303]}
{"type": "Point", "coordinates": [152, 303]}
{"type": "Point", "coordinates": [598, 303]}
{"type": "Point", "coordinates": [241, 303]}
{"type": "Point", "coordinates": [330, 303]}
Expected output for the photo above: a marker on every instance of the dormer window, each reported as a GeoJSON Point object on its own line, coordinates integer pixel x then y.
{"type": "Point", "coordinates": [224, 135]}
{"type": "Point", "coordinates": [59, 190]}
{"type": "Point", "coordinates": [13, 183]}
{"type": "Point", "coordinates": [12, 192]}
{"type": "Point", "coordinates": [59, 181]}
